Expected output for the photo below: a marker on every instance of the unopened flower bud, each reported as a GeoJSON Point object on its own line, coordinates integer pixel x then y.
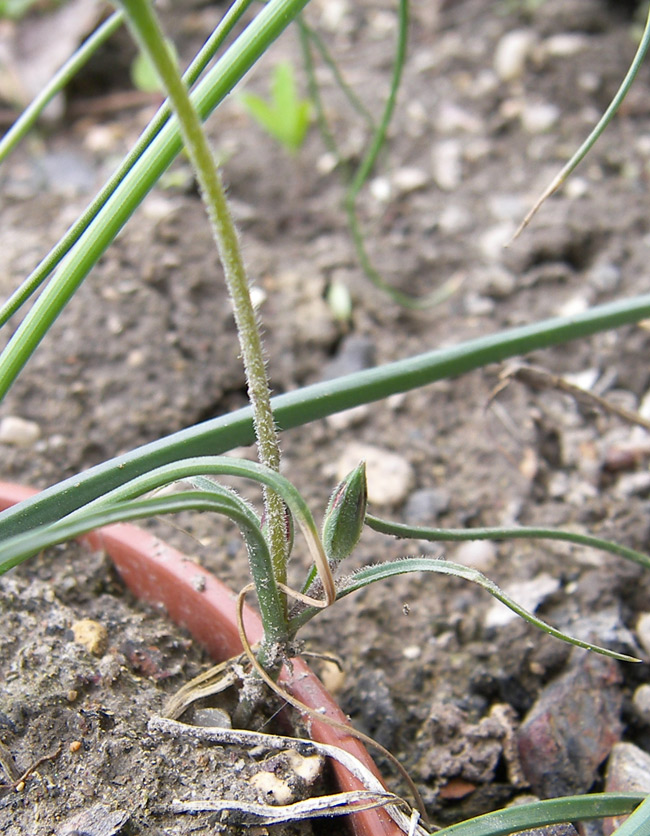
{"type": "Point", "coordinates": [345, 515]}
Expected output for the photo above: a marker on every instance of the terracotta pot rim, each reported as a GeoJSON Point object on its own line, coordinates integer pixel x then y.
{"type": "Point", "coordinates": [195, 599]}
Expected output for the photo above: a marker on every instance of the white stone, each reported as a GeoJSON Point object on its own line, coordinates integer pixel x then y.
{"type": "Point", "coordinates": [390, 476]}
{"type": "Point", "coordinates": [493, 241]}
{"type": "Point", "coordinates": [641, 702]}
{"type": "Point", "coordinates": [380, 189]}
{"type": "Point", "coordinates": [307, 767]}
{"type": "Point", "coordinates": [573, 305]}
{"type": "Point", "coordinates": [477, 554]}
{"type": "Point", "coordinates": [512, 52]}
{"type": "Point", "coordinates": [274, 789]}
{"type": "Point", "coordinates": [563, 44]}
{"type": "Point", "coordinates": [643, 631]}
{"type": "Point", "coordinates": [348, 418]}
{"type": "Point", "coordinates": [409, 179]}
{"type": "Point", "coordinates": [446, 164]}
{"type": "Point", "coordinates": [18, 432]}
{"type": "Point", "coordinates": [538, 117]}
{"type": "Point", "coordinates": [528, 594]}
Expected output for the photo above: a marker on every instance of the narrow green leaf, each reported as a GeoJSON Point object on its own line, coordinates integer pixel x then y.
{"type": "Point", "coordinates": [310, 403]}
{"type": "Point", "coordinates": [543, 813]}
{"type": "Point", "coordinates": [384, 571]}
{"type": "Point", "coordinates": [454, 535]}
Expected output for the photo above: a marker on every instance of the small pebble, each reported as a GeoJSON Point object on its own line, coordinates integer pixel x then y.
{"type": "Point", "coordinates": [641, 702]}
{"type": "Point", "coordinates": [198, 583]}
{"type": "Point", "coordinates": [19, 432]}
{"type": "Point", "coordinates": [563, 45]}
{"type": "Point", "coordinates": [348, 418]}
{"type": "Point", "coordinates": [633, 484]}
{"type": "Point", "coordinates": [643, 631]}
{"type": "Point", "coordinates": [528, 594]}
{"type": "Point", "coordinates": [380, 189]}
{"type": "Point", "coordinates": [306, 767]}
{"type": "Point", "coordinates": [477, 554]}
{"type": "Point", "coordinates": [390, 476]}
{"type": "Point", "coordinates": [332, 676]}
{"type": "Point", "coordinates": [273, 789]}
{"type": "Point", "coordinates": [628, 770]}
{"type": "Point", "coordinates": [75, 746]}
{"type": "Point", "coordinates": [212, 717]}
{"type": "Point", "coordinates": [446, 164]}
{"type": "Point", "coordinates": [91, 634]}
{"type": "Point", "coordinates": [512, 52]}
{"type": "Point", "coordinates": [409, 179]}
{"type": "Point", "coordinates": [539, 117]}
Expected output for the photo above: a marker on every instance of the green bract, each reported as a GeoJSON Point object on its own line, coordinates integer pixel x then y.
{"type": "Point", "coordinates": [345, 515]}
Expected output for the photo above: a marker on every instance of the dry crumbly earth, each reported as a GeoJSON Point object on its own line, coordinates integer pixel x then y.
{"type": "Point", "coordinates": [147, 347]}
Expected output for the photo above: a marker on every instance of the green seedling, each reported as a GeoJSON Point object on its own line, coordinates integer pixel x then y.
{"type": "Point", "coordinates": [285, 115]}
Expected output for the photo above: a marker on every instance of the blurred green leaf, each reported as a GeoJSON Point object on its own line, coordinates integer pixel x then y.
{"type": "Point", "coordinates": [143, 74]}
{"type": "Point", "coordinates": [285, 116]}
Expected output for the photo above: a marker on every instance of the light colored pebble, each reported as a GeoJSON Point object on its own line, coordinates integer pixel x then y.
{"type": "Point", "coordinates": [409, 179]}
{"type": "Point", "coordinates": [274, 789]}
{"type": "Point", "coordinates": [19, 432]}
{"type": "Point", "coordinates": [412, 652]}
{"type": "Point", "coordinates": [574, 305]}
{"type": "Point", "coordinates": [91, 634]}
{"type": "Point", "coordinates": [495, 281]}
{"type": "Point", "coordinates": [528, 594]}
{"type": "Point", "coordinates": [632, 484]}
{"type": "Point", "coordinates": [477, 305]}
{"type": "Point", "coordinates": [576, 187]}
{"type": "Point", "coordinates": [605, 276]}
{"type": "Point", "coordinates": [628, 770]}
{"type": "Point", "coordinates": [380, 189]}
{"type": "Point", "coordinates": [390, 476]}
{"type": "Point", "coordinates": [539, 117]}
{"type": "Point", "coordinates": [308, 767]}
{"type": "Point", "coordinates": [450, 118]}
{"type": "Point", "coordinates": [332, 676]}
{"type": "Point", "coordinates": [348, 418]}
{"type": "Point", "coordinates": [446, 164]}
{"type": "Point", "coordinates": [643, 631]}
{"type": "Point", "coordinates": [494, 239]}
{"type": "Point", "coordinates": [477, 554]}
{"type": "Point", "coordinates": [454, 219]}
{"type": "Point", "coordinates": [644, 406]}
{"type": "Point", "coordinates": [212, 717]}
{"type": "Point", "coordinates": [641, 702]}
{"type": "Point", "coordinates": [562, 45]}
{"type": "Point", "coordinates": [512, 52]}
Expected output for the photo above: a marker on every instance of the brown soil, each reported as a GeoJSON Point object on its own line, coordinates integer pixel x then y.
{"type": "Point", "coordinates": [147, 347]}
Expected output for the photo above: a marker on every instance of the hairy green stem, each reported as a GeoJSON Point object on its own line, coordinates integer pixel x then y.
{"type": "Point", "coordinates": [143, 21]}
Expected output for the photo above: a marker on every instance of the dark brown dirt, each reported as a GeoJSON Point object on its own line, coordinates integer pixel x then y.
{"type": "Point", "coordinates": [147, 347]}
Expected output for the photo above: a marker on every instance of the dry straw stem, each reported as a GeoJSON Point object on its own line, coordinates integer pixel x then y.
{"type": "Point", "coordinates": [243, 737]}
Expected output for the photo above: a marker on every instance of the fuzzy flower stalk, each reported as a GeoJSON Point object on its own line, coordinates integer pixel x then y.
{"type": "Point", "coordinates": [146, 29]}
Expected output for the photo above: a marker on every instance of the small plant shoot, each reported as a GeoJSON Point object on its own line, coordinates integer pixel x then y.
{"type": "Point", "coordinates": [285, 115]}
